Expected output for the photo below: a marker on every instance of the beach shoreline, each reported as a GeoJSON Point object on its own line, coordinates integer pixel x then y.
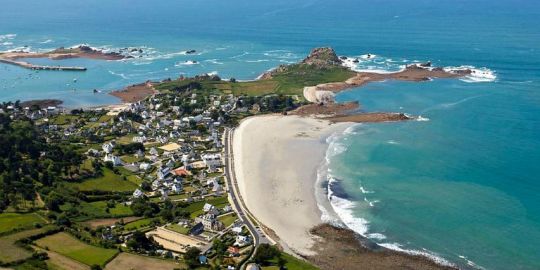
{"type": "Point", "coordinates": [278, 175]}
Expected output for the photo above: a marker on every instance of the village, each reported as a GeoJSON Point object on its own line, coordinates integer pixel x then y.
{"type": "Point", "coordinates": [155, 167]}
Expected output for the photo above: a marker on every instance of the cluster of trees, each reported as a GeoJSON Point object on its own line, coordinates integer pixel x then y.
{"type": "Point", "coordinates": [26, 158]}
{"type": "Point", "coordinates": [267, 252]}
{"type": "Point", "coordinates": [272, 103]}
{"type": "Point", "coordinates": [130, 148]}
{"type": "Point", "coordinates": [172, 211]}
{"type": "Point", "coordinates": [135, 117]}
{"type": "Point", "coordinates": [144, 207]}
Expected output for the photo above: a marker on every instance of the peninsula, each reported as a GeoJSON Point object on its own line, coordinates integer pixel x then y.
{"type": "Point", "coordinates": [81, 51]}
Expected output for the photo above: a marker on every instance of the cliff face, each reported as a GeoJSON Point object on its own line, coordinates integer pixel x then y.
{"type": "Point", "coordinates": [322, 57]}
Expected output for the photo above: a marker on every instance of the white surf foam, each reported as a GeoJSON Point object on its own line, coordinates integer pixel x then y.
{"type": "Point", "coordinates": [422, 119]}
{"type": "Point", "coordinates": [47, 41]}
{"type": "Point", "coordinates": [257, 61]}
{"type": "Point", "coordinates": [121, 75]}
{"type": "Point", "coordinates": [344, 209]}
{"type": "Point", "coordinates": [436, 258]}
{"type": "Point", "coordinates": [213, 61]}
{"type": "Point", "coordinates": [376, 236]}
{"type": "Point", "coordinates": [478, 75]}
{"type": "Point", "coordinates": [366, 191]}
{"type": "Point", "coordinates": [7, 36]}
{"type": "Point", "coordinates": [471, 263]}
{"type": "Point", "coordinates": [186, 63]}
{"type": "Point", "coordinates": [372, 63]}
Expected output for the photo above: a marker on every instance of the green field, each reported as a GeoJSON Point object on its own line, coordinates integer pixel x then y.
{"type": "Point", "coordinates": [108, 182]}
{"type": "Point", "coordinates": [10, 251]}
{"type": "Point", "coordinates": [99, 209]}
{"type": "Point", "coordinates": [292, 264]}
{"type": "Point", "coordinates": [177, 228]}
{"type": "Point", "coordinates": [12, 221]}
{"type": "Point", "coordinates": [141, 223]}
{"type": "Point", "coordinates": [69, 246]}
{"type": "Point", "coordinates": [228, 219]}
{"type": "Point", "coordinates": [196, 208]}
{"type": "Point", "coordinates": [288, 82]}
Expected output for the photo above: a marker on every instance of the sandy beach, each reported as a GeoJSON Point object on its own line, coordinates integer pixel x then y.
{"type": "Point", "coordinates": [276, 161]}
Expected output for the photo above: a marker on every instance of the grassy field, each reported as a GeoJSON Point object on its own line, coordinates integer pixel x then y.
{"type": "Point", "coordinates": [292, 264]}
{"type": "Point", "coordinates": [94, 223]}
{"type": "Point", "coordinates": [99, 209]}
{"type": "Point", "coordinates": [177, 228]}
{"type": "Point", "coordinates": [10, 251]}
{"type": "Point", "coordinates": [12, 221]}
{"type": "Point", "coordinates": [228, 219]}
{"type": "Point", "coordinates": [60, 262]}
{"type": "Point", "coordinates": [196, 208]}
{"type": "Point", "coordinates": [131, 261]}
{"type": "Point", "coordinates": [141, 223]}
{"type": "Point", "coordinates": [108, 182]}
{"type": "Point", "coordinates": [70, 247]}
{"type": "Point", "coordinates": [289, 82]}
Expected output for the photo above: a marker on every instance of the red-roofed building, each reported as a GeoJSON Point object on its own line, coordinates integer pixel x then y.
{"type": "Point", "coordinates": [181, 172]}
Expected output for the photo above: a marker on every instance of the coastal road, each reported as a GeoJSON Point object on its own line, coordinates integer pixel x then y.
{"type": "Point", "coordinates": [258, 235]}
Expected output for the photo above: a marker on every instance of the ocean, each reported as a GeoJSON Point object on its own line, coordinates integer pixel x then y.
{"type": "Point", "coordinates": [461, 185]}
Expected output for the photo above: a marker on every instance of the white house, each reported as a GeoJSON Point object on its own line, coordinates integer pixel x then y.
{"type": "Point", "coordinates": [144, 166]}
{"type": "Point", "coordinates": [108, 147]}
{"type": "Point", "coordinates": [139, 139]}
{"type": "Point", "coordinates": [137, 194]}
{"type": "Point", "coordinates": [153, 151]}
{"type": "Point", "coordinates": [212, 160]}
{"type": "Point", "coordinates": [176, 188]}
{"type": "Point", "coordinates": [242, 240]}
{"type": "Point", "coordinates": [163, 172]}
{"type": "Point", "coordinates": [116, 161]}
{"type": "Point", "coordinates": [207, 207]}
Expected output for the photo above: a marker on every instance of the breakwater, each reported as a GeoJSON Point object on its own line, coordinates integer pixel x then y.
{"type": "Point", "coordinates": [39, 67]}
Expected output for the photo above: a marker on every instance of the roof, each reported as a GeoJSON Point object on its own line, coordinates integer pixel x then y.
{"type": "Point", "coordinates": [181, 172]}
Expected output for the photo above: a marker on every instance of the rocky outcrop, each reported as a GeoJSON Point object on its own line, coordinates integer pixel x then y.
{"type": "Point", "coordinates": [322, 57]}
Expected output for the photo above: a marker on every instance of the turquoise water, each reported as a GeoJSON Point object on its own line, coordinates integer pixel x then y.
{"type": "Point", "coordinates": [462, 186]}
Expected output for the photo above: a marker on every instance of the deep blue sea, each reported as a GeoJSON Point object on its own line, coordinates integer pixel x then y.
{"type": "Point", "coordinates": [463, 185]}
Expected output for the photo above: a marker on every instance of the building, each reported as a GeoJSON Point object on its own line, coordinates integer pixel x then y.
{"type": "Point", "coordinates": [242, 240]}
{"type": "Point", "coordinates": [116, 161]}
{"type": "Point", "coordinates": [212, 160]}
{"type": "Point", "coordinates": [137, 194]}
{"type": "Point", "coordinates": [108, 147]}
{"type": "Point", "coordinates": [234, 251]}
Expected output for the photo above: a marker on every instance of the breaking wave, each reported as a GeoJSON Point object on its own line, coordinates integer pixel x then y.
{"type": "Point", "coordinates": [477, 75]}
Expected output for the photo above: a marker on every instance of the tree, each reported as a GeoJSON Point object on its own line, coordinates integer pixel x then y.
{"type": "Point", "coordinates": [192, 257]}
{"type": "Point", "coordinates": [95, 267]}
{"type": "Point", "coordinates": [265, 252]}
{"type": "Point", "coordinates": [139, 242]}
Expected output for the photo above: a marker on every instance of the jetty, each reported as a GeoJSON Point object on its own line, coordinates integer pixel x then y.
{"type": "Point", "coordinates": [39, 67]}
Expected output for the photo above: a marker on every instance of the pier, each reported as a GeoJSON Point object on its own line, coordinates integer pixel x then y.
{"type": "Point", "coordinates": [39, 67]}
